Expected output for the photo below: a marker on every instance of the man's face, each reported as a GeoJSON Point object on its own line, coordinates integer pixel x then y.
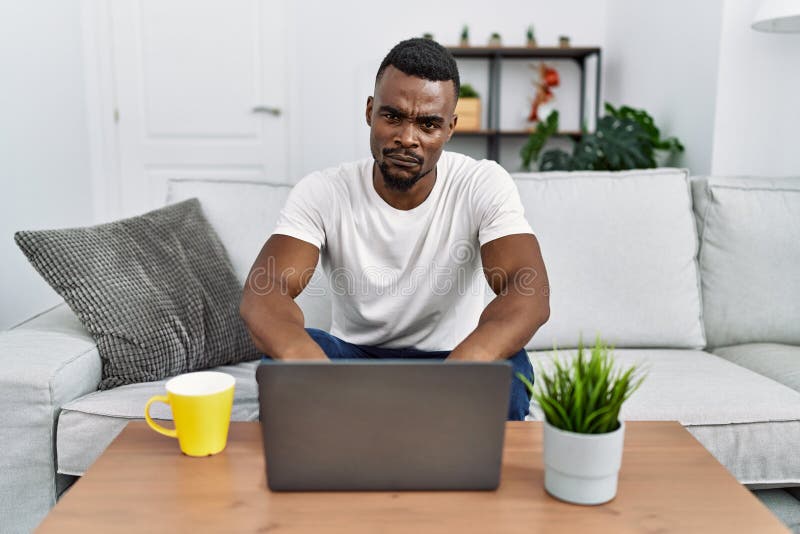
{"type": "Point", "coordinates": [410, 119]}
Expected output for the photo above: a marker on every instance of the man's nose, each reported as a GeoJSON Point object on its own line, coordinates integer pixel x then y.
{"type": "Point", "coordinates": [406, 135]}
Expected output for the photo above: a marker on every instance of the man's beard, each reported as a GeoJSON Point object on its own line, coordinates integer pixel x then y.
{"type": "Point", "coordinates": [395, 182]}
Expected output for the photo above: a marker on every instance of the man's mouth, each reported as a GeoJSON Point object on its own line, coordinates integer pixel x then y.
{"type": "Point", "coordinates": [402, 161]}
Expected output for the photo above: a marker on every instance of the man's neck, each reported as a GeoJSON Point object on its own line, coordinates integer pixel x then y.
{"type": "Point", "coordinates": [403, 200]}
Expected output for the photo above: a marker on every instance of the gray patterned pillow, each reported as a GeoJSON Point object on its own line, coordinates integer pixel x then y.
{"type": "Point", "coordinates": [157, 292]}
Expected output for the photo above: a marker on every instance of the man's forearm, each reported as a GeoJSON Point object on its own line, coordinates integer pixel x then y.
{"type": "Point", "coordinates": [505, 326]}
{"type": "Point", "coordinates": [277, 329]}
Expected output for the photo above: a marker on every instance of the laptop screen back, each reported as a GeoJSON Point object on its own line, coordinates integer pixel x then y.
{"type": "Point", "coordinates": [387, 425]}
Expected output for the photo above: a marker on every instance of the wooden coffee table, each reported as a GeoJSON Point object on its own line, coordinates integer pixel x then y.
{"type": "Point", "coordinates": [142, 483]}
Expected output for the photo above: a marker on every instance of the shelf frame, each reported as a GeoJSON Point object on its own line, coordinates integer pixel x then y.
{"type": "Point", "coordinates": [495, 55]}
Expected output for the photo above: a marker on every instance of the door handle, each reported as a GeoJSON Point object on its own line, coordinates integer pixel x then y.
{"type": "Point", "coordinates": [267, 109]}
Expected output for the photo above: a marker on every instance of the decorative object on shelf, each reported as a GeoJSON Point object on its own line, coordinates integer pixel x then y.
{"type": "Point", "coordinates": [427, 36]}
{"type": "Point", "coordinates": [563, 41]}
{"type": "Point", "coordinates": [464, 41]}
{"type": "Point", "coordinates": [530, 38]}
{"type": "Point", "coordinates": [495, 40]}
{"type": "Point", "coordinates": [622, 140]}
{"type": "Point", "coordinates": [468, 109]}
{"type": "Point", "coordinates": [542, 105]}
{"type": "Point", "coordinates": [779, 16]}
{"type": "Point", "coordinates": [583, 435]}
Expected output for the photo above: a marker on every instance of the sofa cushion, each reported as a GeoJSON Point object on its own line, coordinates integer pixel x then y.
{"type": "Point", "coordinates": [155, 291]}
{"type": "Point", "coordinates": [779, 362]}
{"type": "Point", "coordinates": [89, 424]}
{"type": "Point", "coordinates": [620, 251]}
{"type": "Point", "coordinates": [749, 422]}
{"type": "Point", "coordinates": [749, 257]}
{"type": "Point", "coordinates": [244, 215]}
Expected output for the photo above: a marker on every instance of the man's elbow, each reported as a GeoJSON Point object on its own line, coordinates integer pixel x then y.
{"type": "Point", "coordinates": [246, 311]}
{"type": "Point", "coordinates": [540, 312]}
{"type": "Point", "coordinates": [544, 315]}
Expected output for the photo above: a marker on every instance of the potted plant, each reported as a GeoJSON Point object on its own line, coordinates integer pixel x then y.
{"type": "Point", "coordinates": [530, 38]}
{"type": "Point", "coordinates": [468, 109]}
{"type": "Point", "coordinates": [623, 139]}
{"type": "Point", "coordinates": [663, 149]}
{"type": "Point", "coordinates": [495, 40]}
{"type": "Point", "coordinates": [583, 435]}
{"type": "Point", "coordinates": [464, 36]}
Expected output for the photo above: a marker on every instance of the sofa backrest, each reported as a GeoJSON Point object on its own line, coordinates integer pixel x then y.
{"type": "Point", "coordinates": [749, 258]}
{"type": "Point", "coordinates": [244, 215]}
{"type": "Point", "coordinates": [620, 251]}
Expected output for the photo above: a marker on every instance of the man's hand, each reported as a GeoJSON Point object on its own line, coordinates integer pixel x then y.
{"type": "Point", "coordinates": [275, 322]}
{"type": "Point", "coordinates": [515, 271]}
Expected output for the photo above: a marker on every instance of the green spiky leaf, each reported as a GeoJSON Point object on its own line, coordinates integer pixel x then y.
{"type": "Point", "coordinates": [584, 395]}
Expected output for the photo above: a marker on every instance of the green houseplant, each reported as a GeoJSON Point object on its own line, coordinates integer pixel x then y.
{"type": "Point", "coordinates": [583, 436]}
{"type": "Point", "coordinates": [624, 138]}
{"type": "Point", "coordinates": [530, 38]}
{"type": "Point", "coordinates": [666, 148]}
{"type": "Point", "coordinates": [467, 91]}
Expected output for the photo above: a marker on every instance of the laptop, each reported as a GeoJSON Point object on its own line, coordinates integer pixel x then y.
{"type": "Point", "coordinates": [389, 425]}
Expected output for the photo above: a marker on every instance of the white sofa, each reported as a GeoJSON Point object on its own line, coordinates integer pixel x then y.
{"type": "Point", "coordinates": [719, 331]}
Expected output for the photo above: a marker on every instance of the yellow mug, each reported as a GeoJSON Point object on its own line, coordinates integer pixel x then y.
{"type": "Point", "coordinates": [201, 409]}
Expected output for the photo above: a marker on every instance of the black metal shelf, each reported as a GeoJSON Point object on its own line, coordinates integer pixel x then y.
{"type": "Point", "coordinates": [524, 52]}
{"type": "Point", "coordinates": [495, 56]}
{"type": "Point", "coordinates": [511, 133]}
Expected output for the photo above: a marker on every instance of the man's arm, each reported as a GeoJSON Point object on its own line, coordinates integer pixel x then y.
{"type": "Point", "coordinates": [275, 322]}
{"type": "Point", "coordinates": [515, 271]}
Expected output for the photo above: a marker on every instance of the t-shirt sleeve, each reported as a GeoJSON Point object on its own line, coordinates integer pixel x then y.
{"type": "Point", "coordinates": [305, 212]}
{"type": "Point", "coordinates": [498, 207]}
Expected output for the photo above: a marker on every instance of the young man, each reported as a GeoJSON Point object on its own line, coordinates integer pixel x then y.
{"type": "Point", "coordinates": [399, 236]}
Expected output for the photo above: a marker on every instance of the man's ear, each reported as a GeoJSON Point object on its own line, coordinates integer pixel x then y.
{"type": "Point", "coordinates": [369, 111]}
{"type": "Point", "coordinates": [453, 123]}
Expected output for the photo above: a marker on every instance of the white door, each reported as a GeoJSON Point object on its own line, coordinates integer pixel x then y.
{"type": "Point", "coordinates": [200, 92]}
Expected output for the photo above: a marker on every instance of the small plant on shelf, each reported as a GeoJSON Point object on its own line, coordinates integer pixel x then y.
{"type": "Point", "coordinates": [495, 40]}
{"type": "Point", "coordinates": [464, 36]}
{"type": "Point", "coordinates": [467, 91]}
{"type": "Point", "coordinates": [530, 38]}
{"type": "Point", "coordinates": [468, 109]}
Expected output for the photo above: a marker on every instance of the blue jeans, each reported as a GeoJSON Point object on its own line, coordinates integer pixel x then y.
{"type": "Point", "coordinates": [336, 349]}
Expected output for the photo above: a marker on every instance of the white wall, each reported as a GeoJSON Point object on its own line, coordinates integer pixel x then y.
{"type": "Point", "coordinates": [338, 46]}
{"type": "Point", "coordinates": [758, 98]}
{"type": "Point", "coordinates": [662, 56]}
{"type": "Point", "coordinates": [44, 158]}
{"type": "Point", "coordinates": [728, 92]}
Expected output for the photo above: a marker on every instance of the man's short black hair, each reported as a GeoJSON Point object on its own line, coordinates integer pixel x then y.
{"type": "Point", "coordinates": [424, 58]}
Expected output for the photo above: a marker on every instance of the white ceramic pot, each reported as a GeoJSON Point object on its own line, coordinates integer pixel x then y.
{"type": "Point", "coordinates": [662, 157]}
{"type": "Point", "coordinates": [582, 468]}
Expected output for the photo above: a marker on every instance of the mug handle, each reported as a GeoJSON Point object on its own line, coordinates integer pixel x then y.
{"type": "Point", "coordinates": [172, 433]}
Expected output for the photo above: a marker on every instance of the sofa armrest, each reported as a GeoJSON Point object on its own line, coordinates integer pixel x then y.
{"type": "Point", "coordinates": [44, 363]}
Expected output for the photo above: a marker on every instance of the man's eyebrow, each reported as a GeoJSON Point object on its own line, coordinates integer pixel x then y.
{"type": "Point", "coordinates": [430, 118]}
{"type": "Point", "coordinates": [420, 119]}
{"type": "Point", "coordinates": [393, 111]}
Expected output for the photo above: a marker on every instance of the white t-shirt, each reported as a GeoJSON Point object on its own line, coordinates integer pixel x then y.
{"type": "Point", "coordinates": [405, 278]}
